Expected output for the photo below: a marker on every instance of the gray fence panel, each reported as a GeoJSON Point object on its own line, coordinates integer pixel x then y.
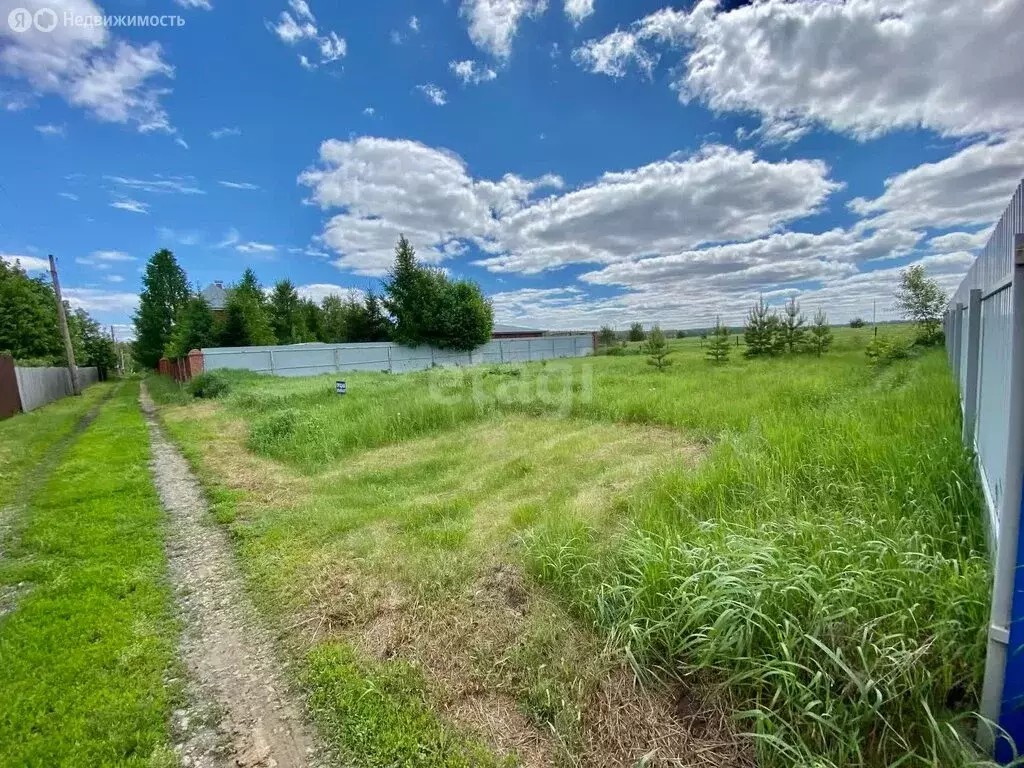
{"type": "Point", "coordinates": [313, 359]}
{"type": "Point", "coordinates": [39, 386]}
{"type": "Point", "coordinates": [998, 441]}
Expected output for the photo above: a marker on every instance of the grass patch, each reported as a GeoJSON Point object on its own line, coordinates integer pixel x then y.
{"type": "Point", "coordinates": [25, 439]}
{"type": "Point", "coordinates": [89, 648]}
{"type": "Point", "coordinates": [824, 563]}
{"type": "Point", "coordinates": [380, 713]}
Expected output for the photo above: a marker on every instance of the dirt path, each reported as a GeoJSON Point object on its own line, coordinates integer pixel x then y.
{"type": "Point", "coordinates": [239, 711]}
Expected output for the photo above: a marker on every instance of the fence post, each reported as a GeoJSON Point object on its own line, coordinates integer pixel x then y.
{"type": "Point", "coordinates": [1003, 693]}
{"type": "Point", "coordinates": [390, 369]}
{"type": "Point", "coordinates": [958, 336]}
{"type": "Point", "coordinates": [272, 361]}
{"type": "Point", "coordinates": [973, 350]}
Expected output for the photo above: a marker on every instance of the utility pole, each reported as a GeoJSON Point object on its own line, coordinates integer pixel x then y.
{"type": "Point", "coordinates": [874, 315]}
{"type": "Point", "coordinates": [63, 320]}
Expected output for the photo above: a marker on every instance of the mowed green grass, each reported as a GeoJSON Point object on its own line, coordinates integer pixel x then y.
{"type": "Point", "coordinates": [89, 647]}
{"type": "Point", "coordinates": [824, 561]}
{"type": "Point", "coordinates": [26, 439]}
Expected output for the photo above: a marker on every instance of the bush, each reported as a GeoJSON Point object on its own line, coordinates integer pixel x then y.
{"type": "Point", "coordinates": [857, 322]}
{"type": "Point", "coordinates": [885, 350]}
{"type": "Point", "coordinates": [208, 385]}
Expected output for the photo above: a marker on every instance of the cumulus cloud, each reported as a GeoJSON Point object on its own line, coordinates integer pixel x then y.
{"type": "Point", "coordinates": [471, 73]}
{"type": "Point", "coordinates": [88, 67]}
{"type": "Point", "coordinates": [861, 67]}
{"type": "Point", "coordinates": [299, 25]}
{"type": "Point", "coordinates": [578, 10]}
{"type": "Point", "coordinates": [385, 188]}
{"type": "Point", "coordinates": [320, 291]}
{"type": "Point", "coordinates": [95, 300]}
{"type": "Point", "coordinates": [254, 247]}
{"type": "Point", "coordinates": [112, 256]}
{"type": "Point", "coordinates": [493, 23]}
{"type": "Point", "coordinates": [971, 186]}
{"type": "Point", "coordinates": [50, 129]}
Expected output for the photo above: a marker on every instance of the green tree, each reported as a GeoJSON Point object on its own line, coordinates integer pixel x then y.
{"type": "Point", "coordinates": [921, 300]}
{"type": "Point", "coordinates": [680, 334]}
{"type": "Point", "coordinates": [857, 322]}
{"type": "Point", "coordinates": [247, 321]}
{"type": "Point", "coordinates": [719, 348]}
{"type": "Point", "coordinates": [428, 308]}
{"type": "Point", "coordinates": [312, 316]}
{"type": "Point", "coordinates": [410, 293]}
{"type": "Point", "coordinates": [656, 349]}
{"type": "Point", "coordinates": [286, 315]}
{"type": "Point", "coordinates": [606, 337]}
{"type": "Point", "coordinates": [194, 328]}
{"type": "Point", "coordinates": [28, 316]}
{"type": "Point", "coordinates": [333, 319]}
{"type": "Point", "coordinates": [636, 332]}
{"type": "Point", "coordinates": [164, 292]}
{"type": "Point", "coordinates": [378, 327]}
{"type": "Point", "coordinates": [792, 332]}
{"type": "Point", "coordinates": [759, 332]}
{"type": "Point", "coordinates": [820, 337]}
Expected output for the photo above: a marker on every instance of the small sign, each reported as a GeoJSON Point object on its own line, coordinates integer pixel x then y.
{"type": "Point", "coordinates": [340, 387]}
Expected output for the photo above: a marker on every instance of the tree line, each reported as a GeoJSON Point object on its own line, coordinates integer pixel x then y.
{"type": "Point", "coordinates": [28, 324]}
{"type": "Point", "coordinates": [418, 305]}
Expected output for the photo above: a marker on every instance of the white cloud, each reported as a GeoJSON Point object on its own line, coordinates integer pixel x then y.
{"type": "Point", "coordinates": [718, 194]}
{"type": "Point", "coordinates": [302, 26]}
{"type": "Point", "coordinates": [969, 187]}
{"type": "Point", "coordinates": [578, 10]}
{"type": "Point", "coordinates": [254, 247]}
{"type": "Point", "coordinates": [95, 300]}
{"type": "Point", "coordinates": [493, 23]}
{"type": "Point", "coordinates": [49, 129]}
{"type": "Point", "coordinates": [181, 142]}
{"type": "Point", "coordinates": [414, 24]}
{"type": "Point", "coordinates": [69, 196]}
{"type": "Point", "coordinates": [91, 263]}
{"type": "Point", "coordinates": [221, 133]}
{"type": "Point", "coordinates": [385, 188]}
{"type": "Point", "coordinates": [182, 185]}
{"type": "Point", "coordinates": [861, 67]}
{"type": "Point", "coordinates": [203, 4]}
{"type": "Point", "coordinates": [960, 241]}
{"type": "Point", "coordinates": [112, 256]}
{"type": "Point", "coordinates": [88, 67]}
{"type": "Point", "coordinates": [320, 291]}
{"type": "Point", "coordinates": [471, 73]}
{"type": "Point", "coordinates": [128, 204]}
{"type": "Point", "coordinates": [369, 111]}
{"type": "Point", "coordinates": [28, 263]}
{"type": "Point", "coordinates": [613, 54]}
{"type": "Point", "coordinates": [231, 237]}
{"type": "Point", "coordinates": [114, 279]}
{"type": "Point", "coordinates": [238, 185]}
{"type": "Point", "coordinates": [434, 94]}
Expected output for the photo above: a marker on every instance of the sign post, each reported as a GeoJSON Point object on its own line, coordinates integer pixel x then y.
{"type": "Point", "coordinates": [340, 387]}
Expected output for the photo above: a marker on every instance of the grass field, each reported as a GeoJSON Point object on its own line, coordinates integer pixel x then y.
{"type": "Point", "coordinates": [87, 635]}
{"type": "Point", "coordinates": [788, 548]}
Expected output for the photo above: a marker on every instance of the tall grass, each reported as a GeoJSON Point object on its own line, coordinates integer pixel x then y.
{"type": "Point", "coordinates": [826, 565]}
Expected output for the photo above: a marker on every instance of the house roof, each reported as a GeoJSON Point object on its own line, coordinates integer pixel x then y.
{"type": "Point", "coordinates": [216, 295]}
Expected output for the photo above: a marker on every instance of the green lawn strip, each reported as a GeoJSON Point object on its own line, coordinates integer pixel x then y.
{"type": "Point", "coordinates": [91, 644]}
{"type": "Point", "coordinates": [26, 438]}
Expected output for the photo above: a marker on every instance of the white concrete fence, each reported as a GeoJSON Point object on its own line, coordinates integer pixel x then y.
{"type": "Point", "coordinates": [313, 359]}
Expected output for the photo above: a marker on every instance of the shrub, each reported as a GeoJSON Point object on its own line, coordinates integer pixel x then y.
{"type": "Point", "coordinates": [857, 322]}
{"type": "Point", "coordinates": [209, 385]}
{"type": "Point", "coordinates": [886, 349]}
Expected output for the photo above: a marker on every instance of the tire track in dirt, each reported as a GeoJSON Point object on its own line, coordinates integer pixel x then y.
{"type": "Point", "coordinates": [13, 513]}
{"type": "Point", "coordinates": [239, 712]}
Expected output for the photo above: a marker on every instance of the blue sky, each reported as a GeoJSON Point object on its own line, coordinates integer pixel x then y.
{"type": "Point", "coordinates": [586, 161]}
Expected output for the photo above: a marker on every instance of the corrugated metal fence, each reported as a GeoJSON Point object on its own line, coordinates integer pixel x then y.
{"type": "Point", "coordinates": [984, 326]}
{"type": "Point", "coordinates": [313, 359]}
{"type": "Point", "coordinates": [25, 389]}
